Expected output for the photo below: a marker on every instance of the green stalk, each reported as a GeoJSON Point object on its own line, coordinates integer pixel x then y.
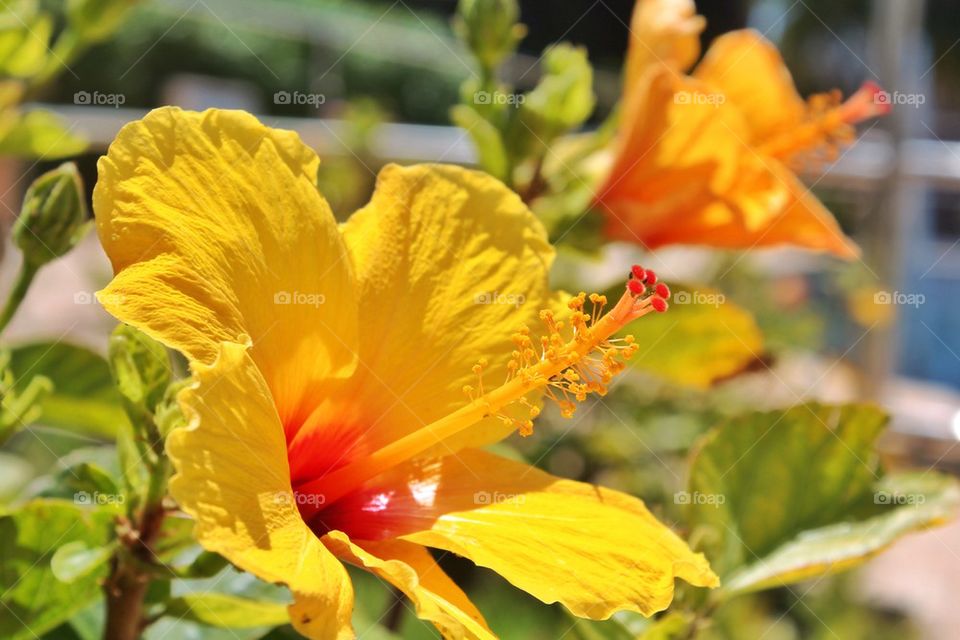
{"type": "Point", "coordinates": [24, 279]}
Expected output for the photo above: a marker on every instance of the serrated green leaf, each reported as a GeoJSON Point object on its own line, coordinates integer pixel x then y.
{"type": "Point", "coordinates": [77, 559]}
{"type": "Point", "coordinates": [84, 399]}
{"type": "Point", "coordinates": [761, 479]}
{"type": "Point", "coordinates": [918, 501]}
{"type": "Point", "coordinates": [221, 610]}
{"type": "Point", "coordinates": [33, 600]}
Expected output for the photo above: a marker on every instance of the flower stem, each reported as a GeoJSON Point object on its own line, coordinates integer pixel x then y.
{"type": "Point", "coordinates": [20, 287]}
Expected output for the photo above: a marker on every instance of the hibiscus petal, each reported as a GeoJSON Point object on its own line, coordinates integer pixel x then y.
{"type": "Point", "coordinates": [748, 70]}
{"type": "Point", "coordinates": [232, 477]}
{"type": "Point", "coordinates": [594, 550]}
{"type": "Point", "coordinates": [449, 264]}
{"type": "Point", "coordinates": [215, 230]}
{"type": "Point", "coordinates": [662, 33]}
{"type": "Point", "coordinates": [410, 568]}
{"type": "Point", "coordinates": [686, 173]}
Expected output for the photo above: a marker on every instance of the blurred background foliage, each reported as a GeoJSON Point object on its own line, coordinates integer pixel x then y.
{"type": "Point", "coordinates": [384, 62]}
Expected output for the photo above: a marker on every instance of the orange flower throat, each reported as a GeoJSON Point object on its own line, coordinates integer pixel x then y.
{"type": "Point", "coordinates": [570, 364]}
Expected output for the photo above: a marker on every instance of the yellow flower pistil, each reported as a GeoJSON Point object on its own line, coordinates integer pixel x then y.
{"type": "Point", "coordinates": [569, 369]}
{"type": "Point", "coordinates": [828, 126]}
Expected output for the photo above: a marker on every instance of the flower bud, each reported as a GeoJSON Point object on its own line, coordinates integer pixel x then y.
{"type": "Point", "coordinates": [53, 217]}
{"type": "Point", "coordinates": [489, 28]}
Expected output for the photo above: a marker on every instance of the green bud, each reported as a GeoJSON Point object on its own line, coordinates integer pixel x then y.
{"type": "Point", "coordinates": [490, 29]}
{"type": "Point", "coordinates": [53, 218]}
{"type": "Point", "coordinates": [141, 369]}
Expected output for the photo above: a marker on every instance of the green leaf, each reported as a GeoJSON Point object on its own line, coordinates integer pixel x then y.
{"type": "Point", "coordinates": [140, 366]}
{"type": "Point", "coordinates": [76, 560]}
{"type": "Point", "coordinates": [921, 501]}
{"type": "Point", "coordinates": [39, 134]}
{"type": "Point", "coordinates": [95, 20]}
{"type": "Point", "coordinates": [221, 610]}
{"type": "Point", "coordinates": [786, 495]}
{"type": "Point", "coordinates": [703, 338]}
{"type": "Point", "coordinates": [33, 600]}
{"type": "Point", "coordinates": [24, 37]}
{"type": "Point", "coordinates": [84, 399]}
{"type": "Point", "coordinates": [491, 152]}
{"type": "Point", "coordinates": [561, 101]}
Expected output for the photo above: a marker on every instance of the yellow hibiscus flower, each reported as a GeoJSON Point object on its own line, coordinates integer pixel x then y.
{"type": "Point", "coordinates": [709, 158]}
{"type": "Point", "coordinates": [328, 421]}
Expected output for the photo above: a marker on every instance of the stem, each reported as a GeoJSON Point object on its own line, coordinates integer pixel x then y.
{"type": "Point", "coordinates": [20, 287]}
{"type": "Point", "coordinates": [129, 580]}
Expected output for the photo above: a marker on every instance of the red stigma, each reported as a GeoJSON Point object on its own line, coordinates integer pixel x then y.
{"type": "Point", "coordinates": [637, 272]}
{"type": "Point", "coordinates": [636, 287]}
{"type": "Point", "coordinates": [663, 290]}
{"type": "Point", "coordinates": [650, 276]}
{"type": "Point", "coordinates": [658, 304]}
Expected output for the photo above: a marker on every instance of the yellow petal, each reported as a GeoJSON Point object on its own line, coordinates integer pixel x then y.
{"type": "Point", "coordinates": [215, 230]}
{"type": "Point", "coordinates": [748, 70]}
{"type": "Point", "coordinates": [449, 263]}
{"type": "Point", "coordinates": [410, 568]}
{"type": "Point", "coordinates": [594, 550]}
{"type": "Point", "coordinates": [232, 477]}
{"type": "Point", "coordinates": [662, 32]}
